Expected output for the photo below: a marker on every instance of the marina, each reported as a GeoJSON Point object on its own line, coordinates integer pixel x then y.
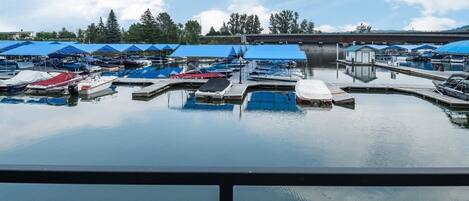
{"type": "Point", "coordinates": [110, 119]}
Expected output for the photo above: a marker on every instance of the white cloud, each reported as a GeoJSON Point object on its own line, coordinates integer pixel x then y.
{"type": "Point", "coordinates": [327, 28]}
{"type": "Point", "coordinates": [91, 9]}
{"type": "Point", "coordinates": [430, 23]}
{"type": "Point", "coordinates": [430, 7]}
{"type": "Point", "coordinates": [216, 17]}
{"type": "Point", "coordinates": [432, 15]}
{"type": "Point", "coordinates": [344, 28]}
{"type": "Point", "coordinates": [6, 27]}
{"type": "Point", "coordinates": [211, 18]}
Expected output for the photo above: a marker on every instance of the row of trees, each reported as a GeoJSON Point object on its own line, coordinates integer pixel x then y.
{"type": "Point", "coordinates": [284, 22]}
{"type": "Point", "coordinates": [150, 29]}
{"type": "Point", "coordinates": [162, 29]}
{"type": "Point", "coordinates": [239, 24]}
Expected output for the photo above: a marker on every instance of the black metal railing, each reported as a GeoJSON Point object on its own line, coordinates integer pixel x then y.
{"type": "Point", "coordinates": [227, 178]}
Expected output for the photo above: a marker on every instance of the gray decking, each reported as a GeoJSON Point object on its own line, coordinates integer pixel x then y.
{"type": "Point", "coordinates": [338, 90]}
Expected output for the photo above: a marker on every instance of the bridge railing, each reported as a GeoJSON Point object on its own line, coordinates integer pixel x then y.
{"type": "Point", "coordinates": [227, 178]}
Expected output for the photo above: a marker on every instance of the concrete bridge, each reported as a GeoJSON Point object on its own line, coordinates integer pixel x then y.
{"type": "Point", "coordinates": [345, 38]}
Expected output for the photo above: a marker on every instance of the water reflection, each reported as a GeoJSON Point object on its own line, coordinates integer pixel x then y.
{"type": "Point", "coordinates": [363, 73]}
{"type": "Point", "coordinates": [384, 131]}
{"type": "Point", "coordinates": [270, 101]}
{"type": "Point", "coordinates": [186, 100]}
{"type": "Point", "coordinates": [437, 66]}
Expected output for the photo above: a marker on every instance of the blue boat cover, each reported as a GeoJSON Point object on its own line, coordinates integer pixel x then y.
{"type": "Point", "coordinates": [275, 52]}
{"type": "Point", "coordinates": [205, 51]}
{"type": "Point", "coordinates": [456, 48]}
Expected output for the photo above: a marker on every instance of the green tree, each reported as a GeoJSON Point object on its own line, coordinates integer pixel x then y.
{"type": "Point", "coordinates": [285, 22]}
{"type": "Point", "coordinates": [224, 30]}
{"type": "Point", "coordinates": [212, 32]}
{"type": "Point", "coordinates": [363, 28]}
{"type": "Point", "coordinates": [46, 35]}
{"type": "Point", "coordinates": [101, 30]}
{"type": "Point", "coordinates": [307, 27]}
{"type": "Point", "coordinates": [64, 34]}
{"type": "Point", "coordinates": [81, 35]}
{"type": "Point", "coordinates": [192, 31]}
{"type": "Point", "coordinates": [169, 29]}
{"type": "Point", "coordinates": [112, 31]}
{"type": "Point", "coordinates": [148, 30]}
{"type": "Point", "coordinates": [91, 34]}
{"type": "Point", "coordinates": [135, 34]}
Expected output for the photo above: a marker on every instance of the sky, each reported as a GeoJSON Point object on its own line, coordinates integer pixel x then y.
{"type": "Point", "coordinates": [328, 15]}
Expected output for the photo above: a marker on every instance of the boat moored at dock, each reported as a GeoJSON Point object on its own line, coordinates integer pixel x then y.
{"type": "Point", "coordinates": [93, 84]}
{"type": "Point", "coordinates": [56, 85]}
{"type": "Point", "coordinates": [214, 89]}
{"type": "Point", "coordinates": [313, 92]}
{"type": "Point", "coordinates": [22, 79]}
{"type": "Point", "coordinates": [456, 86]}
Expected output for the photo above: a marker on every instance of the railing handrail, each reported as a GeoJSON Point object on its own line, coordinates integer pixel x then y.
{"type": "Point", "coordinates": [227, 177]}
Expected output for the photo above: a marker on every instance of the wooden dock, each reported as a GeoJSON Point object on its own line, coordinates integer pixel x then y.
{"type": "Point", "coordinates": [338, 90]}
{"type": "Point", "coordinates": [434, 75]}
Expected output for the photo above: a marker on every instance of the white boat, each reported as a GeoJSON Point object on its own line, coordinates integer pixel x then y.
{"type": "Point", "coordinates": [214, 89]}
{"type": "Point", "coordinates": [95, 84]}
{"type": "Point", "coordinates": [312, 92]}
{"type": "Point", "coordinates": [23, 78]}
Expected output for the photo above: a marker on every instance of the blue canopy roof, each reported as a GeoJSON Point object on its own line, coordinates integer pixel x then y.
{"type": "Point", "coordinates": [275, 52]}
{"type": "Point", "coordinates": [145, 47]}
{"type": "Point", "coordinates": [43, 50]}
{"type": "Point", "coordinates": [6, 45]}
{"type": "Point", "coordinates": [456, 48]}
{"type": "Point", "coordinates": [205, 51]}
{"type": "Point", "coordinates": [96, 48]}
{"type": "Point", "coordinates": [125, 47]}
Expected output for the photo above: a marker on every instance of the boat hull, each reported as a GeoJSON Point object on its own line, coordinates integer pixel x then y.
{"type": "Point", "coordinates": [96, 89]}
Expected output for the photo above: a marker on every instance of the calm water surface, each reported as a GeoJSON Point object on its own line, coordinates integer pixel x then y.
{"type": "Point", "coordinates": [267, 130]}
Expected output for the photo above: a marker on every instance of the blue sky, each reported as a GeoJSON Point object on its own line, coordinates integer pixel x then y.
{"type": "Point", "coordinates": [328, 15]}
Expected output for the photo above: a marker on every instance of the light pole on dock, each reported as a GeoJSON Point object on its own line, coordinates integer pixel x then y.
{"type": "Point", "coordinates": [240, 70]}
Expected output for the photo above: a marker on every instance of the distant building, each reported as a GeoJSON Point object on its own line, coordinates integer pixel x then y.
{"type": "Point", "coordinates": [16, 35]}
{"type": "Point", "coordinates": [360, 54]}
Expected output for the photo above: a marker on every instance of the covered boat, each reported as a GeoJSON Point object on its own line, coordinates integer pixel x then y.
{"type": "Point", "coordinates": [93, 85]}
{"type": "Point", "coordinates": [56, 85]}
{"type": "Point", "coordinates": [457, 85]}
{"type": "Point", "coordinates": [214, 89]}
{"type": "Point", "coordinates": [312, 92]}
{"type": "Point", "coordinates": [197, 74]}
{"type": "Point", "coordinates": [22, 79]}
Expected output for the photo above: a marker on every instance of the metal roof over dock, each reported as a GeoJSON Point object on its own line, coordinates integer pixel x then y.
{"type": "Point", "coordinates": [43, 50]}
{"type": "Point", "coordinates": [456, 48]}
{"type": "Point", "coordinates": [6, 45]}
{"type": "Point", "coordinates": [275, 52]}
{"type": "Point", "coordinates": [205, 51]}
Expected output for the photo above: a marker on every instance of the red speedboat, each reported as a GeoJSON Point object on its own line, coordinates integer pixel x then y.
{"type": "Point", "coordinates": [196, 74]}
{"type": "Point", "coordinates": [56, 85]}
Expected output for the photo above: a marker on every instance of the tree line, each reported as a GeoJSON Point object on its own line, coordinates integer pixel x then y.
{"type": "Point", "coordinates": [161, 28]}
{"type": "Point", "coordinates": [150, 29]}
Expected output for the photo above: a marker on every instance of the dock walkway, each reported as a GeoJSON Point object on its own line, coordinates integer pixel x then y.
{"type": "Point", "coordinates": [338, 90]}
{"type": "Point", "coordinates": [434, 75]}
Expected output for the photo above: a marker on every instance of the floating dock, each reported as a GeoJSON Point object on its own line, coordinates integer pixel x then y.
{"type": "Point", "coordinates": [339, 91]}
{"type": "Point", "coordinates": [434, 75]}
